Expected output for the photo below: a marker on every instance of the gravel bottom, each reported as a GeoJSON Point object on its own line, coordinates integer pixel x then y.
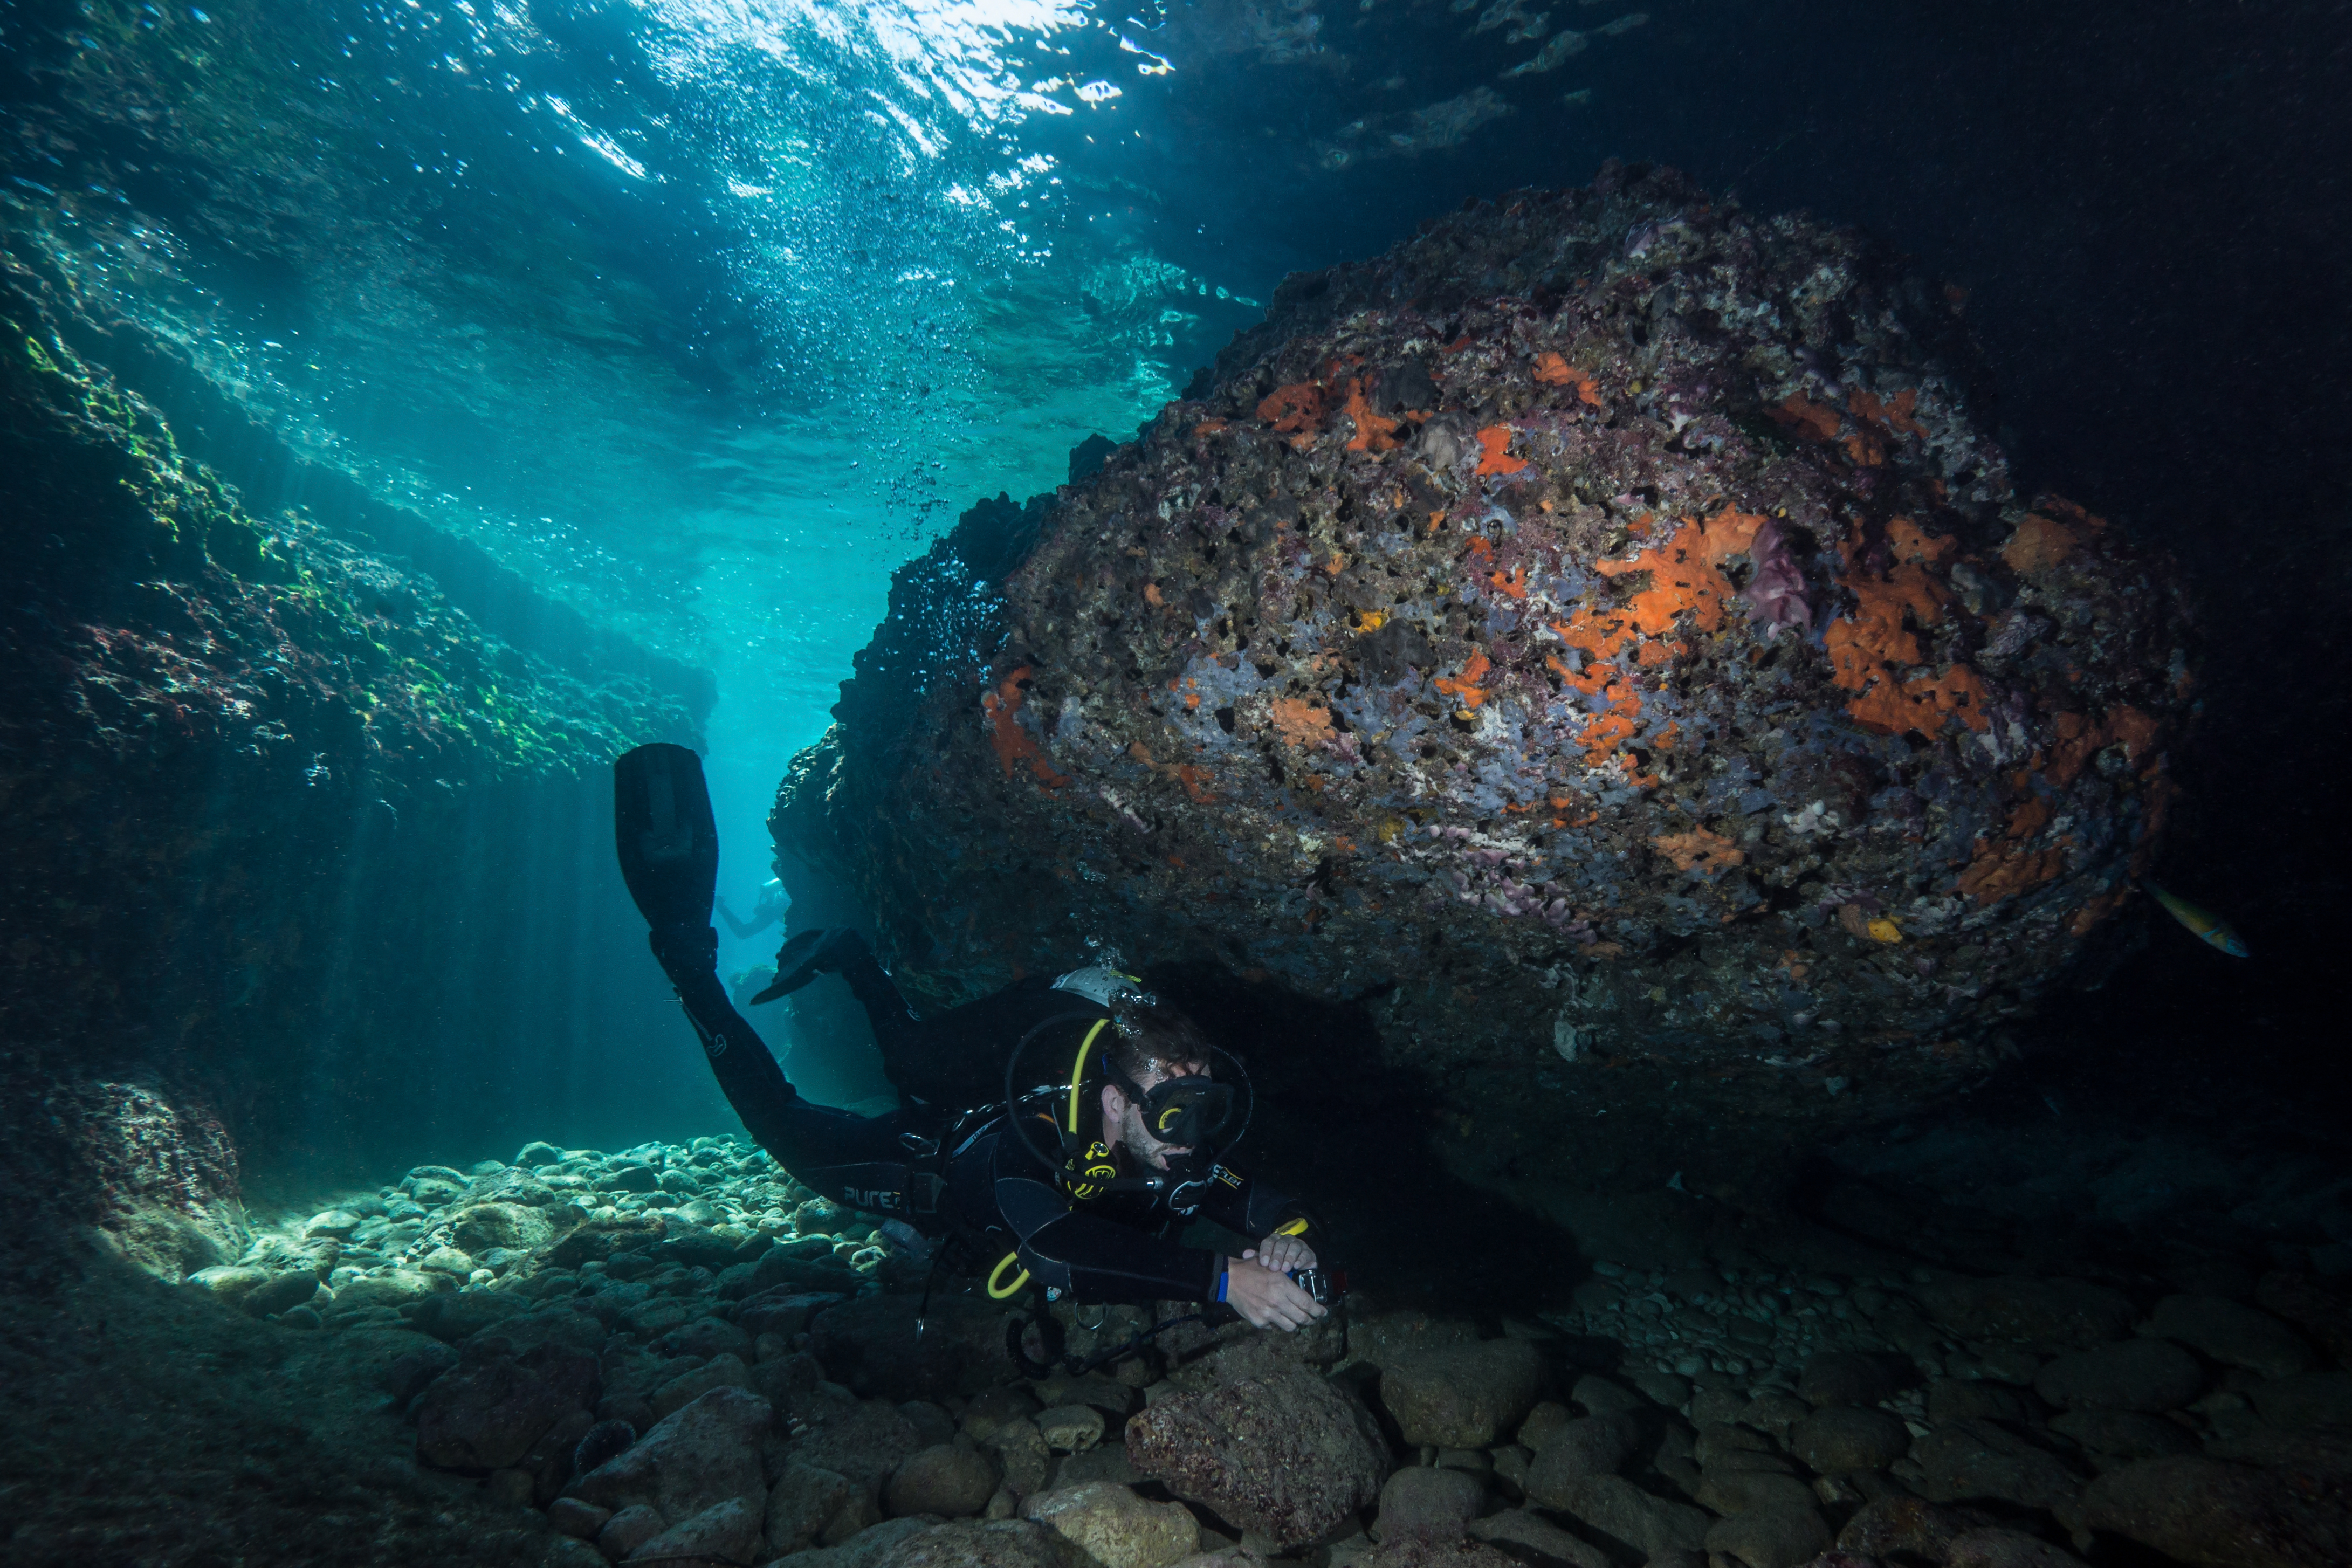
{"type": "Point", "coordinates": [268, 1410]}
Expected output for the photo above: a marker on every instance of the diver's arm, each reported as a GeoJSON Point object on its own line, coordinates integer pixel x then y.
{"type": "Point", "coordinates": [1089, 1258]}
{"type": "Point", "coordinates": [743, 929]}
{"type": "Point", "coordinates": [1249, 1207]}
{"type": "Point", "coordinates": [749, 1077]}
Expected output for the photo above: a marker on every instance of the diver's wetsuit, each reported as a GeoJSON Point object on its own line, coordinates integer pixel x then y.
{"type": "Point", "coordinates": [991, 1193]}
{"type": "Point", "coordinates": [954, 1058]}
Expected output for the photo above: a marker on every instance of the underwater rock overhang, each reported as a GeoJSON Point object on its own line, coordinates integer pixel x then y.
{"type": "Point", "coordinates": [1603, 628]}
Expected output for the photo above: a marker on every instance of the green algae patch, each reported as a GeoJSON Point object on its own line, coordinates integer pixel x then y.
{"type": "Point", "coordinates": [102, 493]}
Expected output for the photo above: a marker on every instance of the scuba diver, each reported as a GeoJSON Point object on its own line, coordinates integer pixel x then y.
{"type": "Point", "coordinates": [954, 1058]}
{"type": "Point", "coordinates": [1074, 1180]}
{"type": "Point", "coordinates": [769, 909]}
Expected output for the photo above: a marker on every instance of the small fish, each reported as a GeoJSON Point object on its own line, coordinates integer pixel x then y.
{"type": "Point", "coordinates": [2205, 923]}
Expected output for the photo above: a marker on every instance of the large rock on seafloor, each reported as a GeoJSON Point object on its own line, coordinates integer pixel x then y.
{"type": "Point", "coordinates": [1117, 1528]}
{"type": "Point", "coordinates": [949, 1479]}
{"type": "Point", "coordinates": [2201, 1512]}
{"type": "Point", "coordinates": [1429, 1501]}
{"type": "Point", "coordinates": [998, 1544]}
{"type": "Point", "coordinates": [486, 1415]}
{"type": "Point", "coordinates": [1461, 1395]}
{"type": "Point", "coordinates": [1289, 1454]}
{"type": "Point", "coordinates": [1776, 1537]}
{"type": "Point", "coordinates": [702, 1456]}
{"type": "Point", "coordinates": [1975, 1460]}
{"type": "Point", "coordinates": [1614, 1505]}
{"type": "Point", "coordinates": [724, 1532]}
{"type": "Point", "coordinates": [1421, 1551]}
{"type": "Point", "coordinates": [1606, 604]}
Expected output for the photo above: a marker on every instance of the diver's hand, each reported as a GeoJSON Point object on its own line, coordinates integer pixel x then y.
{"type": "Point", "coordinates": [1266, 1299]}
{"type": "Point", "coordinates": [1283, 1253]}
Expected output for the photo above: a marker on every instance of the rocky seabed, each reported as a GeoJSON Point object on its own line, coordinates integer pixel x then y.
{"type": "Point", "coordinates": [678, 1354]}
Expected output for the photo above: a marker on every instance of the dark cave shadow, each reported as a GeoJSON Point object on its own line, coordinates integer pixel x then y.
{"type": "Point", "coordinates": [2179, 1050]}
{"type": "Point", "coordinates": [1350, 1137]}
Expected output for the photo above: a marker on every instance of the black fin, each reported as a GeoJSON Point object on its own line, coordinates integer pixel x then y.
{"type": "Point", "coordinates": [820, 950]}
{"type": "Point", "coordinates": [794, 969]}
{"type": "Point", "coordinates": [666, 837]}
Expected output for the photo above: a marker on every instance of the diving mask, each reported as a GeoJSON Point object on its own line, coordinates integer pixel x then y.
{"type": "Point", "coordinates": [1203, 1115]}
{"type": "Point", "coordinates": [1189, 1112]}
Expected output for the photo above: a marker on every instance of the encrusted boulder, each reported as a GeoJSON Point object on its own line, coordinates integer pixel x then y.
{"type": "Point", "coordinates": [1117, 1528]}
{"type": "Point", "coordinates": [949, 1479]}
{"type": "Point", "coordinates": [1290, 1453]}
{"type": "Point", "coordinates": [1607, 604]}
{"type": "Point", "coordinates": [1461, 1395]}
{"type": "Point", "coordinates": [970, 1544]}
{"type": "Point", "coordinates": [1430, 1502]}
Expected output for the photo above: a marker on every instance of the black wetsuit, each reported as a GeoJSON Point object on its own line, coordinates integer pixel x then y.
{"type": "Point", "coordinates": [990, 1194]}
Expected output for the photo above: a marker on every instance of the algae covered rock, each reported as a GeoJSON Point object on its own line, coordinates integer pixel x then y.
{"type": "Point", "coordinates": [950, 1479]}
{"type": "Point", "coordinates": [967, 1544]}
{"type": "Point", "coordinates": [804, 1502]}
{"type": "Point", "coordinates": [1289, 1454]}
{"type": "Point", "coordinates": [1117, 1528]}
{"type": "Point", "coordinates": [1461, 1395]}
{"type": "Point", "coordinates": [1425, 1501]}
{"type": "Point", "coordinates": [1607, 605]}
{"type": "Point", "coordinates": [509, 1224]}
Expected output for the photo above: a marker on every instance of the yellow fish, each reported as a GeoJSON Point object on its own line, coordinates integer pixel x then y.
{"type": "Point", "coordinates": [2208, 925]}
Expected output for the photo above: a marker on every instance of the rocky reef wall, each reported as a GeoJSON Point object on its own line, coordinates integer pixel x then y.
{"type": "Point", "coordinates": [1599, 642]}
{"type": "Point", "coordinates": [302, 867]}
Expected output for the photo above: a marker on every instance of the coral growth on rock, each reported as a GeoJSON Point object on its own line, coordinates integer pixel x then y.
{"type": "Point", "coordinates": [1577, 645]}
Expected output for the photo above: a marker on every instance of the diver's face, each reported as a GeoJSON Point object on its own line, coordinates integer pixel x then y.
{"type": "Point", "coordinates": [1125, 1116]}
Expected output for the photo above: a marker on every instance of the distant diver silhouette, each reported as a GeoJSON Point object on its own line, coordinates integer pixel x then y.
{"type": "Point", "coordinates": [768, 911]}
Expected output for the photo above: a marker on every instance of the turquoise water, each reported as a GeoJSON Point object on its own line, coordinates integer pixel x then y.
{"type": "Point", "coordinates": [703, 317]}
